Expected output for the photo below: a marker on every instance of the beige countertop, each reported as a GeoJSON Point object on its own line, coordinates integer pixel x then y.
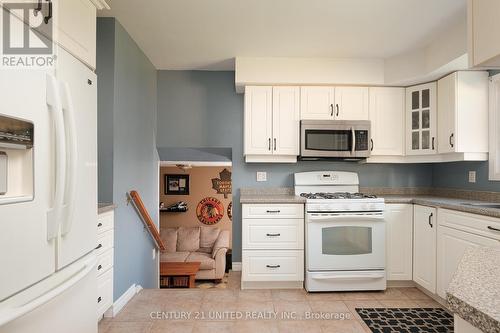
{"type": "Point", "coordinates": [103, 207]}
{"type": "Point", "coordinates": [474, 292]}
{"type": "Point", "coordinates": [271, 195]}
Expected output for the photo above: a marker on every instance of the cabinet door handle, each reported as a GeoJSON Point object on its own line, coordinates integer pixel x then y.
{"type": "Point", "coordinates": [331, 109]}
{"type": "Point", "coordinates": [433, 143]}
{"type": "Point", "coordinates": [99, 267]}
{"type": "Point", "coordinates": [273, 266]}
{"type": "Point", "coordinates": [269, 144]}
{"type": "Point", "coordinates": [430, 219]}
{"type": "Point", "coordinates": [273, 235]}
{"type": "Point", "coordinates": [492, 228]}
{"type": "Point", "coordinates": [273, 211]}
{"type": "Point", "coordinates": [371, 140]}
{"type": "Point", "coordinates": [98, 246]}
{"type": "Point", "coordinates": [337, 106]}
{"type": "Point", "coordinates": [451, 138]}
{"type": "Point", "coordinates": [99, 299]}
{"type": "Point", "coordinates": [274, 144]}
{"type": "Point", "coordinates": [99, 224]}
{"type": "Point", "coordinates": [49, 15]}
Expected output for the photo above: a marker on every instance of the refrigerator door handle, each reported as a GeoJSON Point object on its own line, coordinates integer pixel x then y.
{"type": "Point", "coordinates": [72, 151]}
{"type": "Point", "coordinates": [54, 213]}
{"type": "Point", "coordinates": [12, 313]}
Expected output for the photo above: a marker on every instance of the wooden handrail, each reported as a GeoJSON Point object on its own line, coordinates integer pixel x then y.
{"type": "Point", "coordinates": [146, 219]}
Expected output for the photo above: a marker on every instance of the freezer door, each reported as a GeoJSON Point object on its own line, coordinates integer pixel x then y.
{"type": "Point", "coordinates": [78, 232]}
{"type": "Point", "coordinates": [27, 256]}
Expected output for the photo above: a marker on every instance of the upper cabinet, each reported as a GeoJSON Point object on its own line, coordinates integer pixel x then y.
{"type": "Point", "coordinates": [387, 110]}
{"type": "Point", "coordinates": [271, 124]}
{"type": "Point", "coordinates": [483, 30]}
{"type": "Point", "coordinates": [463, 113]}
{"type": "Point", "coordinates": [351, 103]}
{"type": "Point", "coordinates": [421, 119]}
{"type": "Point", "coordinates": [334, 103]}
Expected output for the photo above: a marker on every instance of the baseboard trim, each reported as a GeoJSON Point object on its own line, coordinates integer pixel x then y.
{"type": "Point", "coordinates": [236, 266]}
{"type": "Point", "coordinates": [120, 303]}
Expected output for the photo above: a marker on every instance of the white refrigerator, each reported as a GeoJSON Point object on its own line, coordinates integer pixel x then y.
{"type": "Point", "coordinates": [48, 210]}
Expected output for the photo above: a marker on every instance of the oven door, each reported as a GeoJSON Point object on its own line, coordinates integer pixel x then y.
{"type": "Point", "coordinates": [335, 139]}
{"type": "Point", "coordinates": [350, 241]}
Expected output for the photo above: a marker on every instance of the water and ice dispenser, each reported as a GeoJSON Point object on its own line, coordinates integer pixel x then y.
{"type": "Point", "coordinates": [16, 160]}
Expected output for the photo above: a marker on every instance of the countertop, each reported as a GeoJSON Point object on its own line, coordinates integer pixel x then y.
{"type": "Point", "coordinates": [474, 292]}
{"type": "Point", "coordinates": [271, 195]}
{"type": "Point", "coordinates": [443, 202]}
{"type": "Point", "coordinates": [103, 207]}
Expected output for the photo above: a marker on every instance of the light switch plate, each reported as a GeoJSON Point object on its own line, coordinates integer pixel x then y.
{"type": "Point", "coordinates": [261, 176]}
{"type": "Point", "coordinates": [472, 176]}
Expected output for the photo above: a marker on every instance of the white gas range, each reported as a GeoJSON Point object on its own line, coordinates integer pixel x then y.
{"type": "Point", "coordinates": [345, 233]}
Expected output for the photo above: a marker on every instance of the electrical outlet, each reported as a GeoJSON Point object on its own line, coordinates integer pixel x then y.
{"type": "Point", "coordinates": [154, 253]}
{"type": "Point", "coordinates": [472, 176]}
{"type": "Point", "coordinates": [261, 176]}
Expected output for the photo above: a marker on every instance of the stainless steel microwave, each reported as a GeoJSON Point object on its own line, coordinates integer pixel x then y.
{"type": "Point", "coordinates": [345, 139]}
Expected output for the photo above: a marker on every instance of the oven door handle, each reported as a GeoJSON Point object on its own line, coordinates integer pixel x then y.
{"type": "Point", "coordinates": [372, 276]}
{"type": "Point", "coordinates": [337, 218]}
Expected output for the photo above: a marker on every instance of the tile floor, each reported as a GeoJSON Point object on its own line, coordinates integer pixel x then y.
{"type": "Point", "coordinates": [183, 310]}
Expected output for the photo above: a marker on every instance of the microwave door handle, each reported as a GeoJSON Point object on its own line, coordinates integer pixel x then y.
{"type": "Point", "coordinates": [353, 133]}
{"type": "Point", "coordinates": [54, 100]}
{"type": "Point", "coordinates": [73, 153]}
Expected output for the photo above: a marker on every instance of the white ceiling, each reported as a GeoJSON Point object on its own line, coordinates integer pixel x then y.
{"type": "Point", "coordinates": [209, 34]}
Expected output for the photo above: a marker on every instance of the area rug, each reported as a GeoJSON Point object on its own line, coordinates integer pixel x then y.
{"type": "Point", "coordinates": [407, 320]}
{"type": "Point", "coordinates": [207, 284]}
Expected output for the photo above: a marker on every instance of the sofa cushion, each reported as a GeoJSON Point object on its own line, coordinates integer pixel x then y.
{"type": "Point", "coordinates": [174, 256]}
{"type": "Point", "coordinates": [206, 260]}
{"type": "Point", "coordinates": [169, 237]}
{"type": "Point", "coordinates": [208, 235]}
{"type": "Point", "coordinates": [188, 239]}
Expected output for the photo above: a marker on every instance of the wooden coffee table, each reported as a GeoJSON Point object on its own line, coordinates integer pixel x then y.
{"type": "Point", "coordinates": [172, 274]}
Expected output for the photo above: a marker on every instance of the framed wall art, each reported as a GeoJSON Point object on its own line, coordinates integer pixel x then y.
{"type": "Point", "coordinates": [177, 184]}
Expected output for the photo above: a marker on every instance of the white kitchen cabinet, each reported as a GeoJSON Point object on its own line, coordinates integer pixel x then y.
{"type": "Point", "coordinates": [271, 124]}
{"type": "Point", "coordinates": [424, 247]}
{"type": "Point", "coordinates": [258, 120]}
{"type": "Point", "coordinates": [351, 103]}
{"type": "Point", "coordinates": [463, 112]}
{"type": "Point", "coordinates": [286, 113]}
{"type": "Point", "coordinates": [387, 111]}
{"type": "Point", "coordinates": [104, 267]}
{"type": "Point", "coordinates": [483, 28]}
{"type": "Point", "coordinates": [456, 232]}
{"type": "Point", "coordinates": [421, 119]}
{"type": "Point", "coordinates": [272, 246]}
{"type": "Point", "coordinates": [399, 240]}
{"type": "Point", "coordinates": [317, 103]}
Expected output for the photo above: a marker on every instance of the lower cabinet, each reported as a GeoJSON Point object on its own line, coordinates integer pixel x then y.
{"type": "Point", "coordinates": [399, 240]}
{"type": "Point", "coordinates": [424, 247]}
{"type": "Point", "coordinates": [456, 232]}
{"type": "Point", "coordinates": [273, 246]}
{"type": "Point", "coordinates": [104, 267]}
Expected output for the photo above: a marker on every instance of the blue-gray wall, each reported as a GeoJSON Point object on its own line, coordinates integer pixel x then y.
{"type": "Point", "coordinates": [202, 109]}
{"type": "Point", "coordinates": [456, 174]}
{"type": "Point", "coordinates": [127, 149]}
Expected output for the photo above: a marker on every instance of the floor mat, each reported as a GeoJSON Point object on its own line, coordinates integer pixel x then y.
{"type": "Point", "coordinates": [406, 320]}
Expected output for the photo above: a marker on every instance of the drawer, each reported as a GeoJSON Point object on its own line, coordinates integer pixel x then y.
{"type": "Point", "coordinates": [104, 242]}
{"type": "Point", "coordinates": [273, 211]}
{"type": "Point", "coordinates": [273, 265]}
{"type": "Point", "coordinates": [104, 292]}
{"type": "Point", "coordinates": [279, 234]}
{"type": "Point", "coordinates": [105, 222]}
{"type": "Point", "coordinates": [104, 262]}
{"type": "Point", "coordinates": [473, 223]}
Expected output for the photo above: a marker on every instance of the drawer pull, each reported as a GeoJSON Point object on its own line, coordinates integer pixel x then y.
{"type": "Point", "coordinates": [273, 211]}
{"type": "Point", "coordinates": [273, 266]}
{"type": "Point", "coordinates": [99, 224]}
{"type": "Point", "coordinates": [492, 228]}
{"type": "Point", "coordinates": [98, 246]}
{"type": "Point", "coordinates": [99, 267]}
{"type": "Point", "coordinates": [99, 299]}
{"type": "Point", "coordinates": [273, 235]}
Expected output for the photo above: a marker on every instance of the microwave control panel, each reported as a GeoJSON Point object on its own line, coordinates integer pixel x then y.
{"type": "Point", "coordinates": [361, 140]}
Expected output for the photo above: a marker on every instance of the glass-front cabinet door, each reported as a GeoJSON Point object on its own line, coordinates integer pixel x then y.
{"type": "Point", "coordinates": [421, 119]}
